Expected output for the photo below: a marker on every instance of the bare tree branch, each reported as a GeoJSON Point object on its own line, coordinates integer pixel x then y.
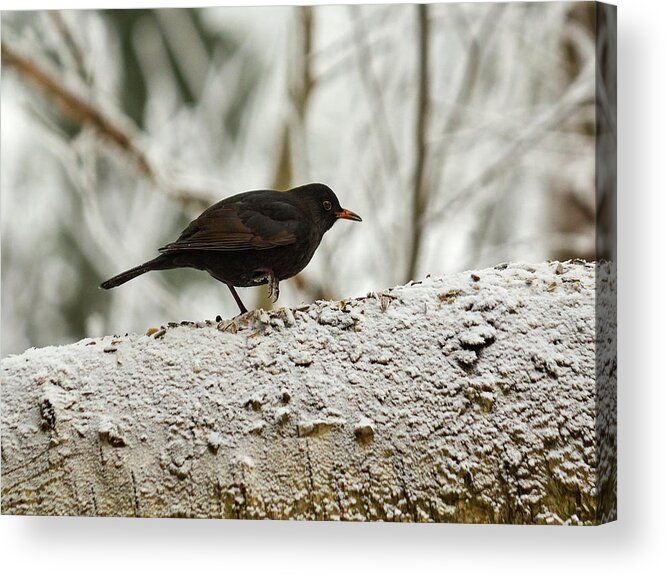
{"type": "Point", "coordinates": [118, 131]}
{"type": "Point", "coordinates": [579, 92]}
{"type": "Point", "coordinates": [73, 47]}
{"type": "Point", "coordinates": [468, 83]}
{"type": "Point", "coordinates": [386, 143]}
{"type": "Point", "coordinates": [300, 85]}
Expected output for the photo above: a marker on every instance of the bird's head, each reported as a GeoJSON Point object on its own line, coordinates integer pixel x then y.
{"type": "Point", "coordinates": [324, 205]}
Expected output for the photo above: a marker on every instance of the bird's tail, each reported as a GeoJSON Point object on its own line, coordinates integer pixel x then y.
{"type": "Point", "coordinates": [162, 262]}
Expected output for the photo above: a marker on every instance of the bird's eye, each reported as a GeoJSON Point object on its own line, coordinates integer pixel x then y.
{"type": "Point", "coordinates": [327, 205]}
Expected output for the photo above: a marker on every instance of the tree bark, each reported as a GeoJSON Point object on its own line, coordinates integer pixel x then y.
{"type": "Point", "coordinates": [468, 398]}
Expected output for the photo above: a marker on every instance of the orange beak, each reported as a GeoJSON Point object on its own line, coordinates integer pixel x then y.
{"type": "Point", "coordinates": [348, 215]}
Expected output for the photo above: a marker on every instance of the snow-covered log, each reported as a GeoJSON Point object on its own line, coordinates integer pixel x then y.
{"type": "Point", "coordinates": [470, 398]}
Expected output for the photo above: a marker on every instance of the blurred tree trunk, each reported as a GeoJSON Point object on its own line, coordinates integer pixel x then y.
{"type": "Point", "coordinates": [300, 84]}
{"type": "Point", "coordinates": [420, 186]}
{"type": "Point", "coordinates": [572, 207]}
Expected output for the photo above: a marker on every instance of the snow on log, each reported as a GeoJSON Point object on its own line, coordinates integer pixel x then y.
{"type": "Point", "coordinates": [468, 398]}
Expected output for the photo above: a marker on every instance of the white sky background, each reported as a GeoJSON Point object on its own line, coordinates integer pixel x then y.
{"type": "Point", "coordinates": [72, 545]}
{"type": "Point", "coordinates": [359, 141]}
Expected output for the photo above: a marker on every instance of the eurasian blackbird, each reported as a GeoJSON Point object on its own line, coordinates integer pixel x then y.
{"type": "Point", "coordinates": [251, 238]}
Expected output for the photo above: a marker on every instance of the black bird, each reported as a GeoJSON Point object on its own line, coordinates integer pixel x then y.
{"type": "Point", "coordinates": [251, 238]}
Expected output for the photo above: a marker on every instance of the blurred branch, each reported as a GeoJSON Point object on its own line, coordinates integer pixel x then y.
{"type": "Point", "coordinates": [468, 82]}
{"type": "Point", "coordinates": [419, 192]}
{"type": "Point", "coordinates": [186, 47]}
{"type": "Point", "coordinates": [75, 108]}
{"type": "Point", "coordinates": [83, 174]}
{"type": "Point", "coordinates": [579, 91]}
{"type": "Point", "coordinates": [338, 55]}
{"type": "Point", "coordinates": [369, 79]}
{"type": "Point", "coordinates": [299, 88]}
{"type": "Point", "coordinates": [482, 229]}
{"type": "Point", "coordinates": [117, 131]}
{"type": "Point", "coordinates": [99, 246]}
{"type": "Point", "coordinates": [307, 83]}
{"type": "Point", "coordinates": [69, 41]}
{"type": "Point", "coordinates": [372, 21]}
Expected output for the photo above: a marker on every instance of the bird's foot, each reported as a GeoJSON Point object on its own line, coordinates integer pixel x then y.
{"type": "Point", "coordinates": [230, 325]}
{"type": "Point", "coordinates": [273, 287]}
{"type": "Point", "coordinates": [235, 324]}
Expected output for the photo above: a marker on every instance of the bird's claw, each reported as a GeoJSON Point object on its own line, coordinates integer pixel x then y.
{"type": "Point", "coordinates": [273, 288]}
{"type": "Point", "coordinates": [230, 325]}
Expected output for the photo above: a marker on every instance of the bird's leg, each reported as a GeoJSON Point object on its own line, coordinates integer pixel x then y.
{"type": "Point", "coordinates": [242, 308]}
{"type": "Point", "coordinates": [273, 286]}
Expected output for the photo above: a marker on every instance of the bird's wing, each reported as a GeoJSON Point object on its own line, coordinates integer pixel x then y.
{"type": "Point", "coordinates": [231, 226]}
